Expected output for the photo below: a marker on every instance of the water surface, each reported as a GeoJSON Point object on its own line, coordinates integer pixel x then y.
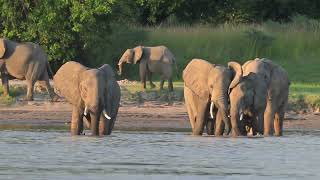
{"type": "Point", "coordinates": [157, 155]}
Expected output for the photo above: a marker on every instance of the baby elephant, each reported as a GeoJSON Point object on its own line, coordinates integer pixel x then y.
{"type": "Point", "coordinates": [158, 59]}
{"type": "Point", "coordinates": [94, 93]}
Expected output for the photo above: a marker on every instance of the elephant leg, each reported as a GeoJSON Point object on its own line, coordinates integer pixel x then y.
{"type": "Point", "coordinates": [143, 73]}
{"type": "Point", "coordinates": [161, 83]}
{"type": "Point", "coordinates": [170, 84]}
{"type": "Point", "coordinates": [5, 84]}
{"type": "Point", "coordinates": [44, 82]}
{"type": "Point", "coordinates": [152, 85]}
{"type": "Point", "coordinates": [190, 105]}
{"type": "Point", "coordinates": [76, 122]}
{"type": "Point", "coordinates": [30, 87]}
{"type": "Point", "coordinates": [278, 121]}
{"type": "Point", "coordinates": [102, 126]}
{"type": "Point", "coordinates": [268, 118]}
{"type": "Point", "coordinates": [201, 117]}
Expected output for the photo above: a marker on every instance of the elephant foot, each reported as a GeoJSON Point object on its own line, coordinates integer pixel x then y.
{"type": "Point", "coordinates": [278, 134]}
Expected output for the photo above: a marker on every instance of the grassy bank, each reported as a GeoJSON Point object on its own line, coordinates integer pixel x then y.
{"type": "Point", "coordinates": [294, 45]}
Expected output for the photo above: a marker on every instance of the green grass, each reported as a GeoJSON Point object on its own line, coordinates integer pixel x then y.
{"type": "Point", "coordinates": [303, 95]}
{"type": "Point", "coordinates": [14, 91]}
{"type": "Point", "coordinates": [293, 45]}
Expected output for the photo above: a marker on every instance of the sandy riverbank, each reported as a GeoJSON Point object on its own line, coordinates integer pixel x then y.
{"type": "Point", "coordinates": [147, 116]}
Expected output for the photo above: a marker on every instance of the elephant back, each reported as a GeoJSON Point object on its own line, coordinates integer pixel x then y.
{"type": "Point", "coordinates": [195, 77]}
{"type": "Point", "coordinates": [66, 81]}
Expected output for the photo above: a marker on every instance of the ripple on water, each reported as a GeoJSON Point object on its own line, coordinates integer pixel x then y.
{"type": "Point", "coordinates": [140, 155]}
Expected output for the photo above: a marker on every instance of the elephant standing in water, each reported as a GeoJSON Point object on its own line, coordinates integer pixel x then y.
{"type": "Point", "coordinates": [94, 93]}
{"type": "Point", "coordinates": [24, 61]}
{"type": "Point", "coordinates": [158, 59]}
{"type": "Point", "coordinates": [205, 85]}
{"type": "Point", "coordinates": [262, 96]}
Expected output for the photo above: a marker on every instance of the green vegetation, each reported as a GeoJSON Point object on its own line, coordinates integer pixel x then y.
{"type": "Point", "coordinates": [294, 45]}
{"type": "Point", "coordinates": [11, 98]}
{"type": "Point", "coordinates": [95, 32]}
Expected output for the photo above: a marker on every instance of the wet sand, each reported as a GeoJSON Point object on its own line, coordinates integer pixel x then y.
{"type": "Point", "coordinates": [150, 116]}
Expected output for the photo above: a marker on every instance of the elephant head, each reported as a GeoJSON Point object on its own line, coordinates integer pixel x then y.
{"type": "Point", "coordinates": [247, 102]}
{"type": "Point", "coordinates": [130, 56]}
{"type": "Point", "coordinates": [211, 84]}
{"type": "Point", "coordinates": [88, 90]}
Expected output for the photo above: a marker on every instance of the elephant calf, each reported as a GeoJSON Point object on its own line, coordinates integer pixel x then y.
{"type": "Point", "coordinates": [94, 93]}
{"type": "Point", "coordinates": [24, 61]}
{"type": "Point", "coordinates": [158, 59]}
{"type": "Point", "coordinates": [205, 85]}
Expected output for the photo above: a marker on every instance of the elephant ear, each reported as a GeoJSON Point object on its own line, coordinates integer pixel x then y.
{"type": "Point", "coordinates": [66, 82]}
{"type": "Point", "coordinates": [195, 77]}
{"type": "Point", "coordinates": [2, 48]}
{"type": "Point", "coordinates": [138, 51]}
{"type": "Point", "coordinates": [237, 74]}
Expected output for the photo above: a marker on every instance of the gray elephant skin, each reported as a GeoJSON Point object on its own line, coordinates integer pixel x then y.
{"type": "Point", "coordinates": [206, 89]}
{"type": "Point", "coordinates": [157, 59]}
{"type": "Point", "coordinates": [260, 98]}
{"type": "Point", "coordinates": [24, 61]}
{"type": "Point", "coordinates": [94, 94]}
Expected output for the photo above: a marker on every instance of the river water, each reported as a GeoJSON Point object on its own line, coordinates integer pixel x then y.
{"type": "Point", "coordinates": [157, 155]}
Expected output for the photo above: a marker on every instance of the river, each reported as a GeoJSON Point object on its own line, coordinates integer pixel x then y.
{"type": "Point", "coordinates": [157, 155]}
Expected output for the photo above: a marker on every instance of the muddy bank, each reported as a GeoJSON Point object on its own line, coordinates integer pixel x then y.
{"type": "Point", "coordinates": [150, 116]}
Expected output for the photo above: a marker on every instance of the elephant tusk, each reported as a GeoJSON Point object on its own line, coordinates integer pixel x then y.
{"type": "Point", "coordinates": [211, 110]}
{"type": "Point", "coordinates": [85, 111]}
{"type": "Point", "coordinates": [106, 115]}
{"type": "Point", "coordinates": [241, 116]}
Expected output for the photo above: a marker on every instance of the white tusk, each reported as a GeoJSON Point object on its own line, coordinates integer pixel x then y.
{"type": "Point", "coordinates": [85, 111]}
{"type": "Point", "coordinates": [241, 116]}
{"type": "Point", "coordinates": [106, 115]}
{"type": "Point", "coordinates": [211, 110]}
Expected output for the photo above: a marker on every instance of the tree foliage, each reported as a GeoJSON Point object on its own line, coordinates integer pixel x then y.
{"type": "Point", "coordinates": [65, 28]}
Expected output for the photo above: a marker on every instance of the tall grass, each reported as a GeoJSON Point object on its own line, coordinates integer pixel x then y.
{"type": "Point", "coordinates": [295, 45]}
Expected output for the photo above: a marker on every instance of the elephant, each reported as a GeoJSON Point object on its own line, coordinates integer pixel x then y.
{"type": "Point", "coordinates": [262, 95]}
{"type": "Point", "coordinates": [206, 89]}
{"type": "Point", "coordinates": [25, 61]}
{"type": "Point", "coordinates": [157, 59]}
{"type": "Point", "coordinates": [94, 94]}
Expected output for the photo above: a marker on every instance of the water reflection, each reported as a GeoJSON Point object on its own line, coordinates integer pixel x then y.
{"type": "Point", "coordinates": [52, 155]}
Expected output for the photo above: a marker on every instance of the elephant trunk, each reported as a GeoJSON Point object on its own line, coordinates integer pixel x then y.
{"type": "Point", "coordinates": [223, 110]}
{"type": "Point", "coordinates": [235, 114]}
{"type": "Point", "coordinates": [120, 68]}
{"type": "Point", "coordinates": [95, 124]}
{"type": "Point", "coordinates": [237, 71]}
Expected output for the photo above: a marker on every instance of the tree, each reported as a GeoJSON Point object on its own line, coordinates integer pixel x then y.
{"type": "Point", "coordinates": [64, 28]}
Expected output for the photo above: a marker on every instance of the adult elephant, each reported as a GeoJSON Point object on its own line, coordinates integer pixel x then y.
{"type": "Point", "coordinates": [94, 93]}
{"type": "Point", "coordinates": [24, 61]}
{"type": "Point", "coordinates": [158, 59]}
{"type": "Point", "coordinates": [261, 96]}
{"type": "Point", "coordinates": [208, 84]}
